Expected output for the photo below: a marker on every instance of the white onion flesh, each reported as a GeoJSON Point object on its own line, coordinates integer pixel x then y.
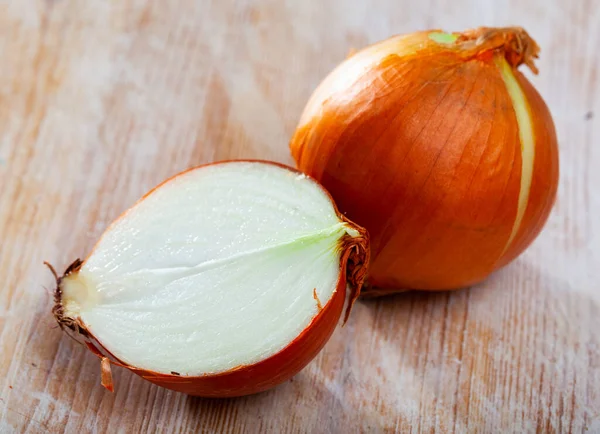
{"type": "Point", "coordinates": [214, 269]}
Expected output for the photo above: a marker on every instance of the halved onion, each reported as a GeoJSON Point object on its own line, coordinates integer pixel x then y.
{"type": "Point", "coordinates": [223, 281]}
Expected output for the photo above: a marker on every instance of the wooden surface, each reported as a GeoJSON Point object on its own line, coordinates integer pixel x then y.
{"type": "Point", "coordinates": [101, 100]}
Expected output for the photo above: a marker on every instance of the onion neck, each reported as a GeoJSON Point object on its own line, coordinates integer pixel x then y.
{"type": "Point", "coordinates": [519, 48]}
{"type": "Point", "coordinates": [516, 44]}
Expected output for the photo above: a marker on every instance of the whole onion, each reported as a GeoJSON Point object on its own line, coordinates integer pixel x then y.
{"type": "Point", "coordinates": [440, 148]}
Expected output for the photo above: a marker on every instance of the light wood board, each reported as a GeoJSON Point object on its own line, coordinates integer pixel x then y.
{"type": "Point", "coordinates": [101, 100]}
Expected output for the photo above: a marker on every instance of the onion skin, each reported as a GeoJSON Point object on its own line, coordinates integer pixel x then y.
{"type": "Point", "coordinates": [246, 379]}
{"type": "Point", "coordinates": [419, 141]}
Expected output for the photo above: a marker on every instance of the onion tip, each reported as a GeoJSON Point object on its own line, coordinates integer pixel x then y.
{"type": "Point", "coordinates": [519, 48]}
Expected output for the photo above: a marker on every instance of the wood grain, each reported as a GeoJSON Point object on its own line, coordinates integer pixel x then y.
{"type": "Point", "coordinates": [101, 100]}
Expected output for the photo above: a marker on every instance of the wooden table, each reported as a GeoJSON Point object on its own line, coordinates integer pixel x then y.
{"type": "Point", "coordinates": [101, 100]}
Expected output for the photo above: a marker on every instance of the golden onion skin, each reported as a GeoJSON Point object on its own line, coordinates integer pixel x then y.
{"type": "Point", "coordinates": [440, 148]}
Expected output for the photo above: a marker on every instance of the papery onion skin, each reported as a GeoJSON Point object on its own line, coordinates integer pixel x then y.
{"type": "Point", "coordinates": [260, 376]}
{"type": "Point", "coordinates": [419, 142]}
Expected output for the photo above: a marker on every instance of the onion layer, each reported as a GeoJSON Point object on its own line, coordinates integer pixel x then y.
{"type": "Point", "coordinates": [440, 148]}
{"type": "Point", "coordinates": [223, 281]}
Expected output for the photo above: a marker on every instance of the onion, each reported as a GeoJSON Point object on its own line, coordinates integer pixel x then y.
{"type": "Point", "coordinates": [223, 281]}
{"type": "Point", "coordinates": [440, 148]}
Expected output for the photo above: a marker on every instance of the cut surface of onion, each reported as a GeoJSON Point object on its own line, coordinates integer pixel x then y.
{"type": "Point", "coordinates": [215, 271]}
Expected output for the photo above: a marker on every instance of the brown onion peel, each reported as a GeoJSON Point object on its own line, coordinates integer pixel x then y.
{"type": "Point", "coordinates": [244, 379]}
{"type": "Point", "coordinates": [356, 255]}
{"type": "Point", "coordinates": [440, 148]}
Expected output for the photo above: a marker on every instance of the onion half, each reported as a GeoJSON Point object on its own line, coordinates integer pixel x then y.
{"type": "Point", "coordinates": [440, 148]}
{"type": "Point", "coordinates": [225, 280]}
